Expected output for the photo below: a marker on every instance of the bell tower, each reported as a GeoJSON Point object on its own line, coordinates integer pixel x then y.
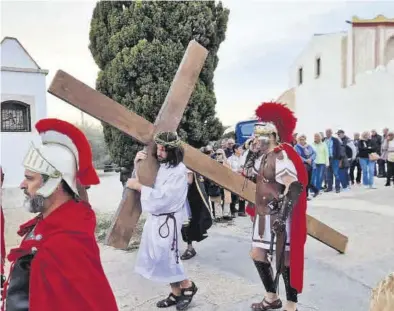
{"type": "Point", "coordinates": [372, 43]}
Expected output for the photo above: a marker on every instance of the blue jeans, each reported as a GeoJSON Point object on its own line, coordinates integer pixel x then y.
{"type": "Point", "coordinates": [368, 168]}
{"type": "Point", "coordinates": [333, 170]}
{"type": "Point", "coordinates": [318, 175]}
{"type": "Point", "coordinates": [344, 177]}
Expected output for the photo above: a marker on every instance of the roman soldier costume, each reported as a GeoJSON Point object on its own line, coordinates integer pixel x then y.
{"type": "Point", "coordinates": [280, 211]}
{"type": "Point", "coordinates": [57, 265]}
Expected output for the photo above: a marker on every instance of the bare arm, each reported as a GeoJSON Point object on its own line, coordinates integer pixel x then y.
{"type": "Point", "coordinates": [190, 178]}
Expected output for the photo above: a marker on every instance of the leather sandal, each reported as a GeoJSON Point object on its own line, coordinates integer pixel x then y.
{"type": "Point", "coordinates": [170, 301]}
{"type": "Point", "coordinates": [186, 298]}
{"type": "Point", "coordinates": [188, 254]}
{"type": "Point", "coordinates": [265, 305]}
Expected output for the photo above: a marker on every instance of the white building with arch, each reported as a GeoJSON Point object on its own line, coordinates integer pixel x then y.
{"type": "Point", "coordinates": [23, 103]}
{"type": "Point", "coordinates": [346, 80]}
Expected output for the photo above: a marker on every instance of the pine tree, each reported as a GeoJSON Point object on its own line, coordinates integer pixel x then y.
{"type": "Point", "coordinates": [138, 47]}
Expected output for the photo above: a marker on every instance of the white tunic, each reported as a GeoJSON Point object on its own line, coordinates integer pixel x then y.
{"type": "Point", "coordinates": [236, 163]}
{"type": "Point", "coordinates": [155, 260]}
{"type": "Point", "coordinates": [282, 168]}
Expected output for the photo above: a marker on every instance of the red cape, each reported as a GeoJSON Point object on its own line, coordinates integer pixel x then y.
{"type": "Point", "coordinates": [298, 227]}
{"type": "Point", "coordinates": [66, 272]}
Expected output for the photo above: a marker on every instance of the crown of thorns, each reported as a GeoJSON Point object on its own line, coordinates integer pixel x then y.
{"type": "Point", "coordinates": [163, 138]}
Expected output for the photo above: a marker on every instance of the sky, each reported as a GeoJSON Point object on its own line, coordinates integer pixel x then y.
{"type": "Point", "coordinates": [263, 40]}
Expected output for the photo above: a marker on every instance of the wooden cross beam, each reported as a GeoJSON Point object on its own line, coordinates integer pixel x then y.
{"type": "Point", "coordinates": [168, 119]}
{"type": "Point", "coordinates": [92, 102]}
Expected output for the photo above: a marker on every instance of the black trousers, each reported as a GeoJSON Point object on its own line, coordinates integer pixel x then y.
{"type": "Point", "coordinates": [355, 164]}
{"type": "Point", "coordinates": [390, 172]}
{"type": "Point", "coordinates": [241, 204]}
{"type": "Point", "coordinates": [382, 167]}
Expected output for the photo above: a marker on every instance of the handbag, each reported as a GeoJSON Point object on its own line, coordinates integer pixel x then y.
{"type": "Point", "coordinates": [374, 156]}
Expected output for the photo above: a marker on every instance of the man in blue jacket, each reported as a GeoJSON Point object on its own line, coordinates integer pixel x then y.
{"type": "Point", "coordinates": [334, 151]}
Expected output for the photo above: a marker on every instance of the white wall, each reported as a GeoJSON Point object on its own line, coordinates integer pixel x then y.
{"type": "Point", "coordinates": [372, 99]}
{"type": "Point", "coordinates": [366, 105]}
{"type": "Point", "coordinates": [329, 48]}
{"type": "Point", "coordinates": [323, 102]}
{"type": "Point", "coordinates": [29, 88]}
{"type": "Point", "coordinates": [315, 96]}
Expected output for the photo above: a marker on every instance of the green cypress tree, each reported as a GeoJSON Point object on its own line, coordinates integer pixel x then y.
{"type": "Point", "coordinates": [138, 47]}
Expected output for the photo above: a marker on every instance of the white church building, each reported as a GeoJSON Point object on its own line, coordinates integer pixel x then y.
{"type": "Point", "coordinates": [23, 103]}
{"type": "Point", "coordinates": [345, 80]}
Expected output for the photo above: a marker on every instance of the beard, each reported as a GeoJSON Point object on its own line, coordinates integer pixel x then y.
{"type": "Point", "coordinates": [34, 204]}
{"type": "Point", "coordinates": [161, 160]}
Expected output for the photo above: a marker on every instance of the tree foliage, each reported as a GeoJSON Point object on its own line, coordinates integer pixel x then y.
{"type": "Point", "coordinates": [94, 135]}
{"type": "Point", "coordinates": [138, 47]}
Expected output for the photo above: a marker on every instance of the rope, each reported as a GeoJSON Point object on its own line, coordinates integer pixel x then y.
{"type": "Point", "coordinates": [174, 246]}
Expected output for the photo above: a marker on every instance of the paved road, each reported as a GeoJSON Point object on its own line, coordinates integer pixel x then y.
{"type": "Point", "coordinates": [227, 279]}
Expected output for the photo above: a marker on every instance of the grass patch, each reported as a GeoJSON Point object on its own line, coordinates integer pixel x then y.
{"type": "Point", "coordinates": [104, 223]}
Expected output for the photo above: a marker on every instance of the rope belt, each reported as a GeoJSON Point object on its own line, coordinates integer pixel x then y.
{"type": "Point", "coordinates": [174, 246]}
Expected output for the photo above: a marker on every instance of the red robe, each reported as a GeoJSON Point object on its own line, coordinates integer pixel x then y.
{"type": "Point", "coordinates": [298, 226]}
{"type": "Point", "coordinates": [66, 272]}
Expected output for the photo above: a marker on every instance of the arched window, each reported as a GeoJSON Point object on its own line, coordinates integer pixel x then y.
{"type": "Point", "coordinates": [389, 53]}
{"type": "Point", "coordinates": [15, 116]}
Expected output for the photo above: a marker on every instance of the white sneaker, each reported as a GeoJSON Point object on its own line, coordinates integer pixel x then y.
{"type": "Point", "coordinates": [367, 187]}
{"type": "Point", "coordinates": [372, 187]}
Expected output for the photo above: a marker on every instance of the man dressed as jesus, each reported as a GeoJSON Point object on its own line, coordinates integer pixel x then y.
{"type": "Point", "coordinates": [158, 256]}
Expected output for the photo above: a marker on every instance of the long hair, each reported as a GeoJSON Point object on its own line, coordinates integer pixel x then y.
{"type": "Point", "coordinates": [174, 155]}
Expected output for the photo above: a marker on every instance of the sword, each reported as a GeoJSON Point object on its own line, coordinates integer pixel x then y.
{"type": "Point", "coordinates": [271, 250]}
{"type": "Point", "coordinates": [281, 262]}
{"type": "Point", "coordinates": [246, 179]}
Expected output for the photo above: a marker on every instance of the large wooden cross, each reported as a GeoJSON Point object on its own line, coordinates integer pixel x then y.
{"type": "Point", "coordinates": [92, 102]}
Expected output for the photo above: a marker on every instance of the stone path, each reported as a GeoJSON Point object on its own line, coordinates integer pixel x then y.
{"type": "Point", "coordinates": [227, 279]}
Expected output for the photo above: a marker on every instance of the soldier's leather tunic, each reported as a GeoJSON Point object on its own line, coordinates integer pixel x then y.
{"type": "Point", "coordinates": [267, 188]}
